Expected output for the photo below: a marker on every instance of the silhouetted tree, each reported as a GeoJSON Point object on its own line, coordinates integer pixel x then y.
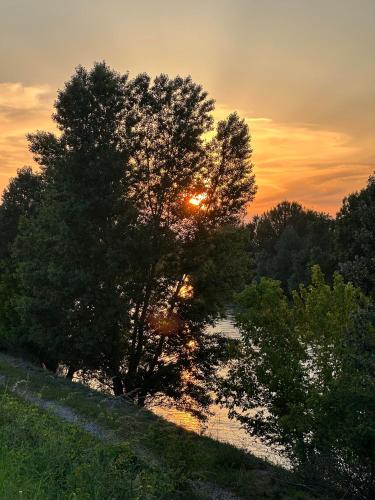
{"type": "Point", "coordinates": [287, 240]}
{"type": "Point", "coordinates": [138, 245]}
{"type": "Point", "coordinates": [185, 193]}
{"type": "Point", "coordinates": [20, 200]}
{"type": "Point", "coordinates": [355, 230]}
{"type": "Point", "coordinates": [71, 256]}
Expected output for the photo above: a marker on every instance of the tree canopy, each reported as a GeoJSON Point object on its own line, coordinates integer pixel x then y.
{"type": "Point", "coordinates": [19, 199]}
{"type": "Point", "coordinates": [355, 230]}
{"type": "Point", "coordinates": [304, 378]}
{"type": "Point", "coordinates": [136, 245]}
{"type": "Point", "coordinates": [287, 240]}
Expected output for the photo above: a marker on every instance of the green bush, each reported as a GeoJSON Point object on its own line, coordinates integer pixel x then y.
{"type": "Point", "coordinates": [304, 378]}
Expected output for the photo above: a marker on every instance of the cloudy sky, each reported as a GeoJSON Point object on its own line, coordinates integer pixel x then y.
{"type": "Point", "coordinates": [301, 72]}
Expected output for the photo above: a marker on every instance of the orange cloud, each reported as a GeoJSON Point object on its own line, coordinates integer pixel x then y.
{"type": "Point", "coordinates": [23, 109]}
{"type": "Point", "coordinates": [314, 166]}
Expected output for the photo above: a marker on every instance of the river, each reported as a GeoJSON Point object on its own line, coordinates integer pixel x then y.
{"type": "Point", "coordinates": [219, 426]}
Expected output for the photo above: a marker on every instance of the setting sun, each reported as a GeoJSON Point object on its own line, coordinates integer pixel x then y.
{"type": "Point", "coordinates": [186, 290]}
{"type": "Point", "coordinates": [198, 199]}
{"type": "Point", "coordinates": [191, 344]}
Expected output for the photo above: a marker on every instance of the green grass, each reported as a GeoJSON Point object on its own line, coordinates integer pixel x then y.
{"type": "Point", "coordinates": [44, 458]}
{"type": "Point", "coordinates": [178, 457]}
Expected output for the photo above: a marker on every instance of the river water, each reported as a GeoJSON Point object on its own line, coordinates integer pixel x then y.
{"type": "Point", "coordinates": [219, 426]}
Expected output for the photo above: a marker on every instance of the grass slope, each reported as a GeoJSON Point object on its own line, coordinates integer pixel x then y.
{"type": "Point", "coordinates": [154, 459]}
{"type": "Point", "coordinates": [44, 458]}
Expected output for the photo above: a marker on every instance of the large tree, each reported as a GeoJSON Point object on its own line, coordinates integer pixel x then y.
{"type": "Point", "coordinates": [70, 257]}
{"type": "Point", "coordinates": [186, 192]}
{"type": "Point", "coordinates": [355, 231]}
{"type": "Point", "coordinates": [287, 240]}
{"type": "Point", "coordinates": [138, 245]}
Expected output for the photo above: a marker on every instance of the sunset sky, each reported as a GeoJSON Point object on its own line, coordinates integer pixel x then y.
{"type": "Point", "coordinates": [302, 73]}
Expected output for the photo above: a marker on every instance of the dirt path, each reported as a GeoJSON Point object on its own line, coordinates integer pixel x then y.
{"type": "Point", "coordinates": [61, 411]}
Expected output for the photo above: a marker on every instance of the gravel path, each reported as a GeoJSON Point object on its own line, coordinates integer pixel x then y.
{"type": "Point", "coordinates": [65, 413]}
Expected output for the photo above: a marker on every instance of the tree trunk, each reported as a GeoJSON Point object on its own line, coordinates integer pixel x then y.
{"type": "Point", "coordinates": [141, 398]}
{"type": "Point", "coordinates": [70, 373]}
{"type": "Point", "coordinates": [50, 364]}
{"type": "Point", "coordinates": [118, 388]}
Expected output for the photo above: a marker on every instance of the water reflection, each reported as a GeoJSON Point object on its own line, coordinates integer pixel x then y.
{"type": "Point", "coordinates": [219, 426]}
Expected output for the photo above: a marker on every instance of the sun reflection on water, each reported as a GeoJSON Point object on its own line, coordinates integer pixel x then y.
{"type": "Point", "coordinates": [219, 426]}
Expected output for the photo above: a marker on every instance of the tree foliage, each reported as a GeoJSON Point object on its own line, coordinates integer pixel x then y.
{"type": "Point", "coordinates": [355, 233]}
{"type": "Point", "coordinates": [69, 302]}
{"type": "Point", "coordinates": [20, 200]}
{"type": "Point", "coordinates": [137, 243]}
{"type": "Point", "coordinates": [304, 378]}
{"type": "Point", "coordinates": [287, 240]}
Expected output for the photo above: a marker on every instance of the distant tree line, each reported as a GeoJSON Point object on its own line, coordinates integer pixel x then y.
{"type": "Point", "coordinates": [303, 376]}
{"type": "Point", "coordinates": [129, 242]}
{"type": "Point", "coordinates": [288, 240]}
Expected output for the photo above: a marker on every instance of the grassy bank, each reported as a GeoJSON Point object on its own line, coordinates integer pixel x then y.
{"type": "Point", "coordinates": [58, 460]}
{"type": "Point", "coordinates": [44, 458]}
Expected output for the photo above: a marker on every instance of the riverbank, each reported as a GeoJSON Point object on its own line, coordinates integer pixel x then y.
{"type": "Point", "coordinates": [190, 465]}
